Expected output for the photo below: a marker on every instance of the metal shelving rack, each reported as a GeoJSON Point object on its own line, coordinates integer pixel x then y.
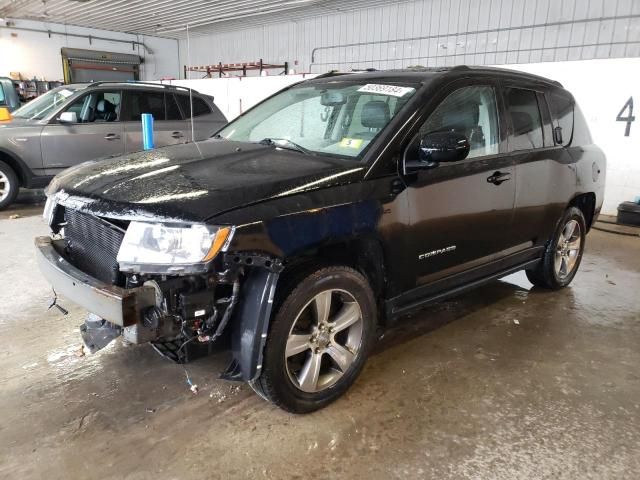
{"type": "Point", "coordinates": [222, 69]}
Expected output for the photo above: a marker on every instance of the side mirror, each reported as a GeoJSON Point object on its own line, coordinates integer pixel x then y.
{"type": "Point", "coordinates": [438, 147]}
{"type": "Point", "coordinates": [68, 117]}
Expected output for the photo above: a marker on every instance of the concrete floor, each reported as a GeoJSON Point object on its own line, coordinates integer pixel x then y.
{"type": "Point", "coordinates": [459, 391]}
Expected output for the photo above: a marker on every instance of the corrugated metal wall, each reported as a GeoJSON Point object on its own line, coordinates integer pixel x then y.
{"type": "Point", "coordinates": [434, 33]}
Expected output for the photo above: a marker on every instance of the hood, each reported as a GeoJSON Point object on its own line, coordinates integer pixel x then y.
{"type": "Point", "coordinates": [18, 122]}
{"type": "Point", "coordinates": [197, 181]}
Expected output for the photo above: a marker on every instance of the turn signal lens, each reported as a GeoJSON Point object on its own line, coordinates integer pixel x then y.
{"type": "Point", "coordinates": [218, 242]}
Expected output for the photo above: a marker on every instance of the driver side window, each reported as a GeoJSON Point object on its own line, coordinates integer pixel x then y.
{"type": "Point", "coordinates": [472, 112]}
{"type": "Point", "coordinates": [97, 107]}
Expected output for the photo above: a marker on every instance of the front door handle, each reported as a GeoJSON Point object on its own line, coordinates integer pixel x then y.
{"type": "Point", "coordinates": [499, 177]}
{"type": "Point", "coordinates": [177, 135]}
{"type": "Point", "coordinates": [112, 136]}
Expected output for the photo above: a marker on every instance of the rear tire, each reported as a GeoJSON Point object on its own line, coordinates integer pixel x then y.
{"type": "Point", "coordinates": [562, 254]}
{"type": "Point", "coordinates": [319, 339]}
{"type": "Point", "coordinates": [9, 185]}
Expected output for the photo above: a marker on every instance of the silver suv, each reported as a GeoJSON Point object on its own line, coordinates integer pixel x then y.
{"type": "Point", "coordinates": [75, 123]}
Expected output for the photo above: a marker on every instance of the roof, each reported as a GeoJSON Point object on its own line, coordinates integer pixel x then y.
{"type": "Point", "coordinates": [421, 74]}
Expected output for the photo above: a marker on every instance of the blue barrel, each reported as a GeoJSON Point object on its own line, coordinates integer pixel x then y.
{"type": "Point", "coordinates": [147, 131]}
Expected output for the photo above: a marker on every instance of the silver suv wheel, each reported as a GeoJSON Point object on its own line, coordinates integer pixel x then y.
{"type": "Point", "coordinates": [5, 186]}
{"type": "Point", "coordinates": [324, 340]}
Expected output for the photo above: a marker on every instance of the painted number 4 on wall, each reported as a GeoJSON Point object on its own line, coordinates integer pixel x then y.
{"type": "Point", "coordinates": [628, 107]}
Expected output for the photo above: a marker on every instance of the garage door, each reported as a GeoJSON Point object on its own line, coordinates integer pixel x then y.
{"type": "Point", "coordinates": [93, 66]}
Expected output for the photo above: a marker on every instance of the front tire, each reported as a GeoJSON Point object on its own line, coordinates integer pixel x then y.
{"type": "Point", "coordinates": [319, 339]}
{"type": "Point", "coordinates": [9, 185]}
{"type": "Point", "coordinates": [562, 254]}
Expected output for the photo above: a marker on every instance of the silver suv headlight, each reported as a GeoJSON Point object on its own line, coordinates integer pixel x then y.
{"type": "Point", "coordinates": [163, 248]}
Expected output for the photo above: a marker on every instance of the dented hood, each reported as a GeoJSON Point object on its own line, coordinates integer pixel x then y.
{"type": "Point", "coordinates": [196, 181]}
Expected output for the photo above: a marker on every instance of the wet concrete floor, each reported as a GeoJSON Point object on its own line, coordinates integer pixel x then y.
{"type": "Point", "coordinates": [506, 382]}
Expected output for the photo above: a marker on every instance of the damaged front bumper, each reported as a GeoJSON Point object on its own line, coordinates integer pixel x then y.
{"type": "Point", "coordinates": [119, 306]}
{"type": "Point", "coordinates": [169, 313]}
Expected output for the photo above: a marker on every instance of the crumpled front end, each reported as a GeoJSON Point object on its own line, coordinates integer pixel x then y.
{"type": "Point", "coordinates": [172, 310]}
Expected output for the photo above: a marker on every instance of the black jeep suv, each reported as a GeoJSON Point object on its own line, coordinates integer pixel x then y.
{"type": "Point", "coordinates": [323, 213]}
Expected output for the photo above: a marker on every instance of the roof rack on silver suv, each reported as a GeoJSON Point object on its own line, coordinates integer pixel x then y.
{"type": "Point", "coordinates": [135, 82]}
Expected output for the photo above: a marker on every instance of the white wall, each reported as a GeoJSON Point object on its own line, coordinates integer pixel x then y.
{"type": "Point", "coordinates": [34, 54]}
{"type": "Point", "coordinates": [433, 33]}
{"type": "Point", "coordinates": [601, 88]}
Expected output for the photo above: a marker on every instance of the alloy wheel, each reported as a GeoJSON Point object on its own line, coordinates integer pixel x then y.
{"type": "Point", "coordinates": [5, 186]}
{"type": "Point", "coordinates": [324, 340]}
{"type": "Point", "coordinates": [568, 249]}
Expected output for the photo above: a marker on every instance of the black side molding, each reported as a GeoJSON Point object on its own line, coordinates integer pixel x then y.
{"type": "Point", "coordinates": [395, 309]}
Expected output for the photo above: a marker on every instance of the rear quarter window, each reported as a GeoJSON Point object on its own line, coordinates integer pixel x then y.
{"type": "Point", "coordinates": [200, 107]}
{"type": "Point", "coordinates": [562, 110]}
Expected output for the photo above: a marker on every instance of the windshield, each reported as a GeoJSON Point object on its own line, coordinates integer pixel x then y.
{"type": "Point", "coordinates": [45, 104]}
{"type": "Point", "coordinates": [330, 118]}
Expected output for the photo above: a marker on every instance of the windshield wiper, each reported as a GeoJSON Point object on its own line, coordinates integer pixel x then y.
{"type": "Point", "coordinates": [285, 143]}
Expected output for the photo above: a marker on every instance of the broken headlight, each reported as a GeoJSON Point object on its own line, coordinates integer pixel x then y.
{"type": "Point", "coordinates": [162, 248]}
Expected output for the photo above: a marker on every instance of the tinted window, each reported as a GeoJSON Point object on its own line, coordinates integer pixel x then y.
{"type": "Point", "coordinates": [98, 106]}
{"type": "Point", "coordinates": [137, 103]}
{"type": "Point", "coordinates": [546, 120]}
{"type": "Point", "coordinates": [472, 112]}
{"type": "Point", "coordinates": [562, 110]}
{"type": "Point", "coordinates": [200, 107]}
{"type": "Point", "coordinates": [1, 94]}
{"type": "Point", "coordinates": [522, 107]}
{"type": "Point", "coordinates": [173, 112]}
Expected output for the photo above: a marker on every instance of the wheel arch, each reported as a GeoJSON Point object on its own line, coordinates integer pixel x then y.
{"type": "Point", "coordinates": [586, 203]}
{"type": "Point", "coordinates": [259, 295]}
{"type": "Point", "coordinates": [17, 165]}
{"type": "Point", "coordinates": [364, 254]}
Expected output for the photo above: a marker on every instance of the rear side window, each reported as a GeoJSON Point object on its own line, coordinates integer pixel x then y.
{"type": "Point", "coordinates": [522, 108]}
{"type": "Point", "coordinates": [173, 112]}
{"type": "Point", "coordinates": [562, 106]}
{"type": "Point", "coordinates": [139, 102]}
{"type": "Point", "coordinates": [200, 107]}
{"type": "Point", "coordinates": [2, 99]}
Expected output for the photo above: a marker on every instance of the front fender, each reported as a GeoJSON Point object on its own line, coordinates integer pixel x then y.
{"type": "Point", "coordinates": [251, 324]}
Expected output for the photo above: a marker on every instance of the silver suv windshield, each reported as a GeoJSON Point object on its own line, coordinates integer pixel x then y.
{"type": "Point", "coordinates": [45, 104]}
{"type": "Point", "coordinates": [336, 118]}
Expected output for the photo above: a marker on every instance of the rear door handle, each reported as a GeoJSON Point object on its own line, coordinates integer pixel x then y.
{"type": "Point", "coordinates": [112, 136]}
{"type": "Point", "coordinates": [499, 177]}
{"type": "Point", "coordinates": [177, 135]}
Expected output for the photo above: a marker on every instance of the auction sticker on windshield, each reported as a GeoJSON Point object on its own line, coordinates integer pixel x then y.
{"type": "Point", "coordinates": [393, 90]}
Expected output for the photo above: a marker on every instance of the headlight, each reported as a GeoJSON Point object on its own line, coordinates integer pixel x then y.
{"type": "Point", "coordinates": [159, 248]}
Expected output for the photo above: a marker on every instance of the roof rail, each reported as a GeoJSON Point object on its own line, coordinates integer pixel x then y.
{"type": "Point", "coordinates": [333, 73]}
{"type": "Point", "coordinates": [135, 82]}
